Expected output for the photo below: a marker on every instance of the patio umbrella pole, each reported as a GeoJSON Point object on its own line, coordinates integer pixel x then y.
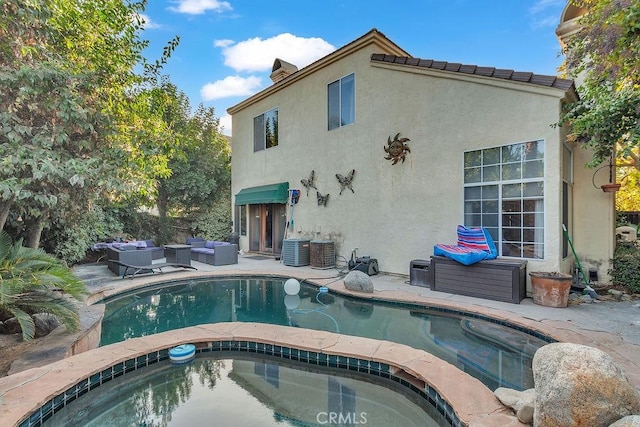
{"type": "Point", "coordinates": [587, 289]}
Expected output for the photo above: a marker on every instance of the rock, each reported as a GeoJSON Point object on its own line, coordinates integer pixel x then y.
{"type": "Point", "coordinates": [10, 326]}
{"type": "Point", "coordinates": [358, 281]}
{"type": "Point", "coordinates": [577, 385]}
{"type": "Point", "coordinates": [586, 298]}
{"type": "Point", "coordinates": [628, 421]}
{"type": "Point", "coordinates": [522, 402]}
{"type": "Point", "coordinates": [615, 293]}
{"type": "Point", "coordinates": [45, 323]}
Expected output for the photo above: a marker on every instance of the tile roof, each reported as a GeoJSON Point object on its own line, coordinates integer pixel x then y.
{"type": "Point", "coordinates": [518, 76]}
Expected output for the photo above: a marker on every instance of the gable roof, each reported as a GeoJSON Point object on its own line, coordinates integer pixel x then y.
{"type": "Point", "coordinates": [373, 36]}
{"type": "Point", "coordinates": [398, 55]}
{"type": "Point", "coordinates": [498, 73]}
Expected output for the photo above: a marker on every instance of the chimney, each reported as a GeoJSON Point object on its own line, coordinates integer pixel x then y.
{"type": "Point", "coordinates": [281, 70]}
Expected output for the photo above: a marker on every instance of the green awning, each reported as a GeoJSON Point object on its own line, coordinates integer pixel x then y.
{"type": "Point", "coordinates": [273, 193]}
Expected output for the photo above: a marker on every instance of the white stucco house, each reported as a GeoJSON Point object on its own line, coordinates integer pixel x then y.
{"type": "Point", "coordinates": [482, 151]}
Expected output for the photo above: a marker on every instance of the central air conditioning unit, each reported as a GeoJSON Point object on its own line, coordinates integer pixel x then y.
{"type": "Point", "coordinates": [295, 252]}
{"type": "Point", "coordinates": [323, 254]}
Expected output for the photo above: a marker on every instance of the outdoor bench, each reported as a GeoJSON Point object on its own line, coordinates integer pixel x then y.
{"type": "Point", "coordinates": [496, 279]}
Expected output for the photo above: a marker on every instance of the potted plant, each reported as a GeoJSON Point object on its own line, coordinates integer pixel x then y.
{"type": "Point", "coordinates": [611, 188]}
{"type": "Point", "coordinates": [550, 289]}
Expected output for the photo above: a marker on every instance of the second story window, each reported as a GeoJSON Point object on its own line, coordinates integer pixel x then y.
{"type": "Point", "coordinates": [265, 130]}
{"type": "Point", "coordinates": [341, 96]}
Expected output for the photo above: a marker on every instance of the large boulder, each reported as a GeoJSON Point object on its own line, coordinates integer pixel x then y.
{"type": "Point", "coordinates": [577, 385]}
{"type": "Point", "coordinates": [358, 281]}
{"type": "Point", "coordinates": [628, 421]}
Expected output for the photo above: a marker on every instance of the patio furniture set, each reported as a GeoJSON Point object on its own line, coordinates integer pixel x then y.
{"type": "Point", "coordinates": [132, 258]}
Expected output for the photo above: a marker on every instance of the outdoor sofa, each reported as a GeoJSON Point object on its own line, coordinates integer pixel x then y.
{"type": "Point", "coordinates": [127, 254]}
{"type": "Point", "coordinates": [157, 252]}
{"type": "Point", "coordinates": [213, 252]}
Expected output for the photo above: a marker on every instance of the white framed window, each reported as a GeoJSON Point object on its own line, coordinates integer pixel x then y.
{"type": "Point", "coordinates": [341, 102]}
{"type": "Point", "coordinates": [265, 130]}
{"type": "Point", "coordinates": [504, 192]}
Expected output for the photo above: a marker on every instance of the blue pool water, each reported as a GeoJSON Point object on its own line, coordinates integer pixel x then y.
{"type": "Point", "coordinates": [233, 390]}
{"type": "Point", "coordinates": [497, 355]}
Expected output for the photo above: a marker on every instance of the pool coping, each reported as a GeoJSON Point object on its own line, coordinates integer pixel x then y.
{"type": "Point", "coordinates": [559, 330]}
{"type": "Point", "coordinates": [26, 392]}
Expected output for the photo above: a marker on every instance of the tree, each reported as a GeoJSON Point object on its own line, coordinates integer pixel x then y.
{"type": "Point", "coordinates": [77, 127]}
{"type": "Point", "coordinates": [31, 282]}
{"type": "Point", "coordinates": [200, 164]}
{"type": "Point", "coordinates": [607, 50]}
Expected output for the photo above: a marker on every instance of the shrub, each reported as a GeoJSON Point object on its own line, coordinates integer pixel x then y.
{"type": "Point", "coordinates": [626, 266]}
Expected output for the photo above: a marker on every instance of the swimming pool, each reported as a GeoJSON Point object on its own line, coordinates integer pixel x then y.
{"type": "Point", "coordinates": [231, 389]}
{"type": "Point", "coordinates": [498, 355]}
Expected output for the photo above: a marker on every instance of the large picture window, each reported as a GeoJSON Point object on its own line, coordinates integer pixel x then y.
{"type": "Point", "coordinates": [265, 130]}
{"type": "Point", "coordinates": [504, 192]}
{"type": "Point", "coordinates": [342, 102]}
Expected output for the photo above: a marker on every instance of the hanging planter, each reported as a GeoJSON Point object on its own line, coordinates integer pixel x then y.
{"type": "Point", "coordinates": [610, 188]}
{"type": "Point", "coordinates": [550, 289]}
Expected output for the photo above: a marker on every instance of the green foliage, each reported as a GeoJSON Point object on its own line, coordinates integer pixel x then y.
{"type": "Point", "coordinates": [71, 236]}
{"type": "Point", "coordinates": [213, 223]}
{"type": "Point", "coordinates": [32, 281]}
{"type": "Point", "coordinates": [77, 125]}
{"type": "Point", "coordinates": [626, 266]}
{"type": "Point", "coordinates": [607, 49]}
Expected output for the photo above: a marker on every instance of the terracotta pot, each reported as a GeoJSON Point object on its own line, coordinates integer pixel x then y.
{"type": "Point", "coordinates": [610, 188]}
{"type": "Point", "coordinates": [550, 289]}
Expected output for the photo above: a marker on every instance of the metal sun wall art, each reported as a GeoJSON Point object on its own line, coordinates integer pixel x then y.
{"type": "Point", "coordinates": [345, 181]}
{"type": "Point", "coordinates": [308, 183]}
{"type": "Point", "coordinates": [322, 200]}
{"type": "Point", "coordinates": [396, 149]}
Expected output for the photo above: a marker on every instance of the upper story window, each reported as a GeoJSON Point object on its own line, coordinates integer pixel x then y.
{"type": "Point", "coordinates": [504, 192]}
{"type": "Point", "coordinates": [342, 102]}
{"type": "Point", "coordinates": [265, 130]}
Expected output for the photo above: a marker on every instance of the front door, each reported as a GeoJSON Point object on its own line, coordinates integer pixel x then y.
{"type": "Point", "coordinates": [266, 227]}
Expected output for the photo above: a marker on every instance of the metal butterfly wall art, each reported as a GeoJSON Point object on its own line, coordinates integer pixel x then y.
{"type": "Point", "coordinates": [322, 200]}
{"type": "Point", "coordinates": [345, 181]}
{"type": "Point", "coordinates": [308, 183]}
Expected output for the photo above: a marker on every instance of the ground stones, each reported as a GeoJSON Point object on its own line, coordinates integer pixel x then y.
{"type": "Point", "coordinates": [522, 402]}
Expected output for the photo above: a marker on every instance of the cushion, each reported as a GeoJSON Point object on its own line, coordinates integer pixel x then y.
{"type": "Point", "coordinates": [191, 240]}
{"type": "Point", "coordinates": [476, 238]}
{"type": "Point", "coordinates": [474, 244]}
{"type": "Point", "coordinates": [210, 244]}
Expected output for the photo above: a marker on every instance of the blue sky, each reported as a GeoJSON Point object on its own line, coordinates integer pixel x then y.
{"type": "Point", "coordinates": [227, 48]}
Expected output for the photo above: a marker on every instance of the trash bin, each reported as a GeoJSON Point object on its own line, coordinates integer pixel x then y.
{"type": "Point", "coordinates": [419, 273]}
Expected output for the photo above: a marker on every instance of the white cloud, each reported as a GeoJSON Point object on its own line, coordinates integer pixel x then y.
{"type": "Point", "coordinates": [542, 5]}
{"type": "Point", "coordinates": [148, 23]}
{"type": "Point", "coordinates": [223, 43]}
{"type": "Point", "coordinates": [546, 13]}
{"type": "Point", "coordinates": [231, 86]}
{"type": "Point", "coordinates": [257, 54]}
{"type": "Point", "coordinates": [225, 124]}
{"type": "Point", "coordinates": [198, 7]}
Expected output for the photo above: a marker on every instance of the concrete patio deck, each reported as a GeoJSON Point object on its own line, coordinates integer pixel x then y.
{"type": "Point", "coordinates": [611, 326]}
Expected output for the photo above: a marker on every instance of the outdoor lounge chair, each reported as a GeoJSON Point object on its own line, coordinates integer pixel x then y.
{"type": "Point", "coordinates": [132, 270]}
{"type": "Point", "coordinates": [474, 244]}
